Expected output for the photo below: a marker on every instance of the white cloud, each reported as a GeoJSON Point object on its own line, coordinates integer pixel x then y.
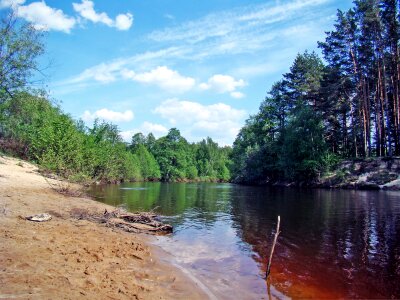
{"type": "Point", "coordinates": [237, 95]}
{"type": "Point", "coordinates": [108, 115]}
{"type": "Point", "coordinates": [246, 29]}
{"type": "Point", "coordinates": [128, 74]}
{"type": "Point", "coordinates": [163, 77]}
{"type": "Point", "coordinates": [240, 19]}
{"type": "Point", "coordinates": [224, 84]}
{"type": "Point", "coordinates": [110, 71]}
{"type": "Point", "coordinates": [157, 130]}
{"type": "Point", "coordinates": [104, 73]}
{"type": "Point", "coordinates": [11, 3]}
{"type": "Point", "coordinates": [127, 135]}
{"type": "Point", "coordinates": [44, 17]}
{"type": "Point", "coordinates": [124, 21]}
{"type": "Point", "coordinates": [219, 120]}
{"type": "Point", "coordinates": [87, 11]}
{"type": "Point", "coordinates": [242, 35]}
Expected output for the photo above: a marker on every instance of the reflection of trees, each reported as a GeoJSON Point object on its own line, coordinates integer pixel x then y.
{"type": "Point", "coordinates": [203, 200]}
{"type": "Point", "coordinates": [333, 243]}
{"type": "Point", "coordinates": [198, 201]}
{"type": "Point", "coordinates": [137, 196]}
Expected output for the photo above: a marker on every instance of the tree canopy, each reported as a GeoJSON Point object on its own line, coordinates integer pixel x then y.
{"type": "Point", "coordinates": [346, 105]}
{"type": "Point", "coordinates": [20, 45]}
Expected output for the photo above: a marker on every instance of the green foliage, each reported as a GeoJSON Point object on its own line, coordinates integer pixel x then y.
{"type": "Point", "coordinates": [318, 114]}
{"type": "Point", "coordinates": [59, 144]}
{"type": "Point", "coordinates": [285, 139]}
{"type": "Point", "coordinates": [33, 127]}
{"type": "Point", "coordinates": [20, 45]}
{"type": "Point", "coordinates": [172, 155]}
{"type": "Point", "coordinates": [212, 161]}
{"type": "Point", "coordinates": [149, 168]}
{"type": "Point", "coordinates": [303, 149]}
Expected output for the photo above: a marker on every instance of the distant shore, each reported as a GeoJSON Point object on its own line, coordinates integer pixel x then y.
{"type": "Point", "coordinates": [71, 258]}
{"type": "Point", "coordinates": [381, 173]}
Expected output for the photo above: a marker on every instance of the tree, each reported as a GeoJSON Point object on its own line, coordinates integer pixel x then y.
{"type": "Point", "coordinates": [172, 153]}
{"type": "Point", "coordinates": [137, 139]}
{"type": "Point", "coordinates": [304, 79]}
{"type": "Point", "coordinates": [303, 150]}
{"type": "Point", "coordinates": [20, 46]}
{"type": "Point", "coordinates": [211, 160]}
{"type": "Point", "coordinates": [149, 167]}
{"type": "Point", "coordinates": [150, 141]}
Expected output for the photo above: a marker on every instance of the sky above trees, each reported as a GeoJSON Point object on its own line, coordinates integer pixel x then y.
{"type": "Point", "coordinates": [147, 66]}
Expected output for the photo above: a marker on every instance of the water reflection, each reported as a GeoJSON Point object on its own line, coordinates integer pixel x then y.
{"type": "Point", "coordinates": [333, 244]}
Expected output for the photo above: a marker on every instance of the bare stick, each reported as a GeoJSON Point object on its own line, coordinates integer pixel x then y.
{"type": "Point", "coordinates": [273, 247]}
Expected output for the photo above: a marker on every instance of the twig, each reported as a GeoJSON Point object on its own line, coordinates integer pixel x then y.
{"type": "Point", "coordinates": [273, 247]}
{"type": "Point", "coordinates": [152, 210]}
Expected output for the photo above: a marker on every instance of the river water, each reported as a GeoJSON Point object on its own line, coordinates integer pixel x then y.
{"type": "Point", "coordinates": [333, 243]}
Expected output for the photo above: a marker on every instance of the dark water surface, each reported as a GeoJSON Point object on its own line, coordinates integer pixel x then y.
{"type": "Point", "coordinates": [333, 243]}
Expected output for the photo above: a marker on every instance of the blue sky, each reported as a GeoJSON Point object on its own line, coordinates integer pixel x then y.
{"type": "Point", "coordinates": [150, 65]}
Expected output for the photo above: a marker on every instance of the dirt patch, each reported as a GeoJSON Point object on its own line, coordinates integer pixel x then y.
{"type": "Point", "coordinates": [71, 258]}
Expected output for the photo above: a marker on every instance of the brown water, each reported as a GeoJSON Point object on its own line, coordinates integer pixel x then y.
{"type": "Point", "coordinates": [333, 244]}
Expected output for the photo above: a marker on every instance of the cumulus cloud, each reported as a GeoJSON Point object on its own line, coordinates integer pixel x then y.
{"type": "Point", "coordinates": [219, 120]}
{"type": "Point", "coordinates": [157, 130]}
{"type": "Point", "coordinates": [108, 115]}
{"type": "Point", "coordinates": [87, 11]}
{"type": "Point", "coordinates": [11, 3]}
{"type": "Point", "coordinates": [44, 17]}
{"type": "Point", "coordinates": [124, 21]}
{"type": "Point", "coordinates": [224, 84]}
{"type": "Point", "coordinates": [163, 77]}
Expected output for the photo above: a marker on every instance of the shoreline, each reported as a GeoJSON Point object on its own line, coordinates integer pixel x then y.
{"type": "Point", "coordinates": [379, 173]}
{"type": "Point", "coordinates": [71, 258]}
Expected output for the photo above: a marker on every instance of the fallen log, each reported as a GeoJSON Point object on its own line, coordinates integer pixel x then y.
{"type": "Point", "coordinates": [130, 222]}
{"type": "Point", "coordinates": [152, 227]}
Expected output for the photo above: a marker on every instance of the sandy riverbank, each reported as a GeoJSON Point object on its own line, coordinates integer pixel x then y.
{"type": "Point", "coordinates": [66, 258]}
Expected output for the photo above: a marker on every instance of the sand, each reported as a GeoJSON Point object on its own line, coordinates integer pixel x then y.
{"type": "Point", "coordinates": [67, 258]}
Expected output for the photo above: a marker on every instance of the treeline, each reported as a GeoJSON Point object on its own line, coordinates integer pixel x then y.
{"type": "Point", "coordinates": [34, 128]}
{"type": "Point", "coordinates": [321, 111]}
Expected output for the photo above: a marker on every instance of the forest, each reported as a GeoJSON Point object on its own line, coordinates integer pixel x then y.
{"type": "Point", "coordinates": [343, 104]}
{"type": "Point", "coordinates": [36, 129]}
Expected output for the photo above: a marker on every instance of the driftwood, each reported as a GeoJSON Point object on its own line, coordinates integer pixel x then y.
{"type": "Point", "coordinates": [130, 222]}
{"type": "Point", "coordinates": [273, 247]}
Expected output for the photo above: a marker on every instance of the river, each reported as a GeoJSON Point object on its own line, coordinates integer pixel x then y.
{"type": "Point", "coordinates": [333, 243]}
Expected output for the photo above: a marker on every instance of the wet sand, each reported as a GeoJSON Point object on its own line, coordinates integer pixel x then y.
{"type": "Point", "coordinates": [67, 258]}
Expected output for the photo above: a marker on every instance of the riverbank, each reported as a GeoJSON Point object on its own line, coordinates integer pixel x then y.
{"type": "Point", "coordinates": [71, 258]}
{"type": "Point", "coordinates": [378, 173]}
{"type": "Point", "coordinates": [364, 174]}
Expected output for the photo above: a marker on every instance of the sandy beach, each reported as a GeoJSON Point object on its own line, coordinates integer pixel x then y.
{"type": "Point", "coordinates": [68, 258]}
